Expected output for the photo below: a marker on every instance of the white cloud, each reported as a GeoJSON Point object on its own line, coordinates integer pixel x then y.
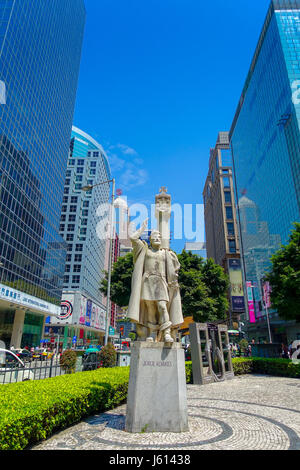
{"type": "Point", "coordinates": [128, 171]}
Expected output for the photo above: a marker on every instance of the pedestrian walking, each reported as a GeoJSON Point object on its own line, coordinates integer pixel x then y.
{"type": "Point", "coordinates": [284, 351]}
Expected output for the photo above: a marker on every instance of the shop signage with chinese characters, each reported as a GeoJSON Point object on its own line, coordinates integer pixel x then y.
{"type": "Point", "coordinates": [26, 300]}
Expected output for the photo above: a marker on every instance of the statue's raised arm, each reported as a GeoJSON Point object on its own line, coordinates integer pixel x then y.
{"type": "Point", "coordinates": [136, 235]}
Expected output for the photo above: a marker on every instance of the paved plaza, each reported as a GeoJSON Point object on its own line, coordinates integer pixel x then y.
{"type": "Point", "coordinates": [249, 412]}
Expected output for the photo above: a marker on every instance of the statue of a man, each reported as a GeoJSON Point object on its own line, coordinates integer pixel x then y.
{"type": "Point", "coordinates": [155, 303]}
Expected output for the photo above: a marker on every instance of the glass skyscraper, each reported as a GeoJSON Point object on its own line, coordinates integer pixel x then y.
{"type": "Point", "coordinates": [83, 224]}
{"type": "Point", "coordinates": [40, 51]}
{"type": "Point", "coordinates": [265, 142]}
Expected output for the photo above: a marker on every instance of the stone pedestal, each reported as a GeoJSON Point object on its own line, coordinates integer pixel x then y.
{"type": "Point", "coordinates": [157, 400]}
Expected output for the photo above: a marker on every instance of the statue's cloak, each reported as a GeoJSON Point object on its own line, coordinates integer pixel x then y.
{"type": "Point", "coordinates": [137, 311]}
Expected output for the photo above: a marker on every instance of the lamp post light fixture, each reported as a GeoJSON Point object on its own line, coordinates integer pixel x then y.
{"type": "Point", "coordinates": [111, 222]}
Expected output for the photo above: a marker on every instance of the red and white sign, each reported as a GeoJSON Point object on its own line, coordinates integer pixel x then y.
{"type": "Point", "coordinates": [66, 310]}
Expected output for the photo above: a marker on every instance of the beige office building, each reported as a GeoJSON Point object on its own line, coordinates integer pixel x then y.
{"type": "Point", "coordinates": [222, 241]}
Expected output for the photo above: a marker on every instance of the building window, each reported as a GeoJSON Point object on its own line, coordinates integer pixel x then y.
{"type": "Point", "coordinates": [65, 199]}
{"type": "Point", "coordinates": [77, 268]}
{"type": "Point", "coordinates": [66, 191]}
{"type": "Point", "coordinates": [68, 173]}
{"type": "Point", "coordinates": [92, 172]}
{"type": "Point", "coordinates": [68, 258]}
{"type": "Point", "coordinates": [80, 162]}
{"type": "Point", "coordinates": [226, 182]}
{"type": "Point", "coordinates": [63, 218]}
{"type": "Point", "coordinates": [71, 227]}
{"type": "Point", "coordinates": [217, 162]}
{"type": "Point", "coordinates": [70, 247]}
{"type": "Point", "coordinates": [78, 258]}
{"type": "Point", "coordinates": [64, 209]}
{"type": "Point", "coordinates": [79, 247]}
{"type": "Point", "coordinates": [86, 203]}
{"type": "Point", "coordinates": [66, 279]}
{"type": "Point", "coordinates": [67, 268]}
{"type": "Point", "coordinates": [71, 162]}
{"type": "Point", "coordinates": [229, 213]}
{"type": "Point", "coordinates": [75, 279]}
{"type": "Point", "coordinates": [79, 170]}
{"type": "Point", "coordinates": [230, 228]}
{"type": "Point", "coordinates": [83, 231]}
{"type": "Point", "coordinates": [78, 186]}
{"type": "Point", "coordinates": [67, 182]}
{"type": "Point", "coordinates": [226, 157]}
{"type": "Point", "coordinates": [84, 221]}
{"type": "Point", "coordinates": [72, 218]}
{"type": "Point", "coordinates": [227, 195]}
{"type": "Point", "coordinates": [85, 212]}
{"type": "Point", "coordinates": [232, 246]}
{"type": "Point", "coordinates": [62, 227]}
{"type": "Point", "coordinates": [73, 208]}
{"type": "Point", "coordinates": [79, 178]}
{"type": "Point", "coordinates": [93, 164]}
{"type": "Point", "coordinates": [74, 200]}
{"type": "Point", "coordinates": [70, 237]}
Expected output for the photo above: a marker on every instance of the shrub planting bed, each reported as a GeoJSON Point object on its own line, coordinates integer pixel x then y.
{"type": "Point", "coordinates": [34, 410]}
{"type": "Point", "coordinates": [257, 365]}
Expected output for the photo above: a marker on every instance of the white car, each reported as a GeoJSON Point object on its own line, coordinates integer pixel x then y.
{"type": "Point", "coordinates": [13, 369]}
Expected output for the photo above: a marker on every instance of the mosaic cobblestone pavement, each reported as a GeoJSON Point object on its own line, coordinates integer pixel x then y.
{"type": "Point", "coordinates": [248, 412]}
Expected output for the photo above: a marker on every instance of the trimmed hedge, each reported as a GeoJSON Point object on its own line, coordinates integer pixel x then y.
{"type": "Point", "coordinates": [258, 365]}
{"type": "Point", "coordinates": [32, 411]}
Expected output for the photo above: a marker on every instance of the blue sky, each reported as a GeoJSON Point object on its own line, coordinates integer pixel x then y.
{"type": "Point", "coordinates": [159, 79]}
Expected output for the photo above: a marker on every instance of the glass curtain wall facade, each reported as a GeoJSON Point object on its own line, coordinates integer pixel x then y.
{"type": "Point", "coordinates": [40, 50]}
{"type": "Point", "coordinates": [84, 214]}
{"type": "Point", "coordinates": [265, 143]}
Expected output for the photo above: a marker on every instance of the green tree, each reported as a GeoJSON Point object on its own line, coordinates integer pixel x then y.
{"type": "Point", "coordinates": [203, 286]}
{"type": "Point", "coordinates": [284, 277]}
{"type": "Point", "coordinates": [120, 281]}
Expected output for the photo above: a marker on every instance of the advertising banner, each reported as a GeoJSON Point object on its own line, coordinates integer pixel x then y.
{"type": "Point", "coordinates": [89, 305]}
{"type": "Point", "coordinates": [236, 283]}
{"type": "Point", "coordinates": [82, 310]}
{"type": "Point", "coordinates": [250, 302]}
{"type": "Point", "coordinates": [267, 294]}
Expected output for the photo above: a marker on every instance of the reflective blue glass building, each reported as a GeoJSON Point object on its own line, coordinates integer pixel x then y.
{"type": "Point", "coordinates": [265, 142]}
{"type": "Point", "coordinates": [40, 50]}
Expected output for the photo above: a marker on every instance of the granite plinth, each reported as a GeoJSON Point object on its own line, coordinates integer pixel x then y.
{"type": "Point", "coordinates": [157, 399]}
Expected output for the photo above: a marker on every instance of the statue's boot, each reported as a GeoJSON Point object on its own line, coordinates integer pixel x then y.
{"type": "Point", "coordinates": [165, 328]}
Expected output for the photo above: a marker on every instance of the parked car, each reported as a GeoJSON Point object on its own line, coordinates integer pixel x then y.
{"type": "Point", "coordinates": [91, 360]}
{"type": "Point", "coordinates": [23, 354]}
{"type": "Point", "coordinates": [12, 368]}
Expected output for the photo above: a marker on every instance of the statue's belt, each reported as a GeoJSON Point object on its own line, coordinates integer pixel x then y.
{"type": "Point", "coordinates": [146, 275]}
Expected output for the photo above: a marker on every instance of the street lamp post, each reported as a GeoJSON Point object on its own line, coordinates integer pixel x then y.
{"type": "Point", "coordinates": [111, 222]}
